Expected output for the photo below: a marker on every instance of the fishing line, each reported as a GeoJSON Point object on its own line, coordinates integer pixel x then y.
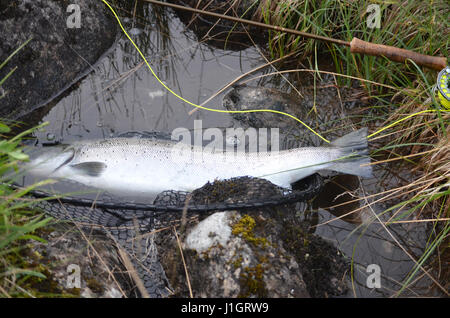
{"type": "Point", "coordinates": [202, 107]}
{"type": "Point", "coordinates": [402, 119]}
{"type": "Point", "coordinates": [250, 110]}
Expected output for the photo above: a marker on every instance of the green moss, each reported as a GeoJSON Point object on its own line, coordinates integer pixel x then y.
{"type": "Point", "coordinates": [94, 285]}
{"type": "Point", "coordinates": [46, 287]}
{"type": "Point", "coordinates": [245, 228]}
{"type": "Point", "coordinates": [73, 292]}
{"type": "Point", "coordinates": [26, 258]}
{"type": "Point", "coordinates": [237, 262]}
{"type": "Point", "coordinates": [252, 283]}
{"type": "Point", "coordinates": [296, 240]}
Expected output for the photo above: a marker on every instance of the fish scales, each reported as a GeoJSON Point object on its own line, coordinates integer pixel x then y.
{"type": "Point", "coordinates": [147, 166]}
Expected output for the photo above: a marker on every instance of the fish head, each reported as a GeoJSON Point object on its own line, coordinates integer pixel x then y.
{"type": "Point", "coordinates": [65, 162]}
{"type": "Point", "coordinates": [50, 161]}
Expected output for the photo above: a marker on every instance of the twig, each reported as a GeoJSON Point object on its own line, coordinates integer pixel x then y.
{"type": "Point", "coordinates": [91, 246]}
{"type": "Point", "coordinates": [184, 263]}
{"type": "Point", "coordinates": [132, 271]}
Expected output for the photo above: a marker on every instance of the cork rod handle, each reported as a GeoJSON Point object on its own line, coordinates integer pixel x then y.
{"type": "Point", "coordinates": [397, 54]}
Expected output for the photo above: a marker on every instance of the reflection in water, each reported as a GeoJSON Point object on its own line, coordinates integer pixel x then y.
{"type": "Point", "coordinates": [337, 198]}
{"type": "Point", "coordinates": [122, 95]}
{"type": "Point", "coordinates": [339, 213]}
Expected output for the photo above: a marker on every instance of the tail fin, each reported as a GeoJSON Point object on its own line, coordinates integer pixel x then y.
{"type": "Point", "coordinates": [353, 146]}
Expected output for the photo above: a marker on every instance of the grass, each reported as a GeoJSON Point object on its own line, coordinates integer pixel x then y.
{"type": "Point", "coordinates": [18, 223]}
{"type": "Point", "coordinates": [418, 142]}
{"type": "Point", "coordinates": [419, 26]}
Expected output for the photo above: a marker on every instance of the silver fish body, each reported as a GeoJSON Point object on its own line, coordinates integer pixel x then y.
{"type": "Point", "coordinates": [143, 167]}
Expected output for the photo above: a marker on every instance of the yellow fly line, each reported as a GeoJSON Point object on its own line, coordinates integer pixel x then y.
{"type": "Point", "coordinates": [402, 119]}
{"type": "Point", "coordinates": [250, 110]}
{"type": "Point", "coordinates": [202, 107]}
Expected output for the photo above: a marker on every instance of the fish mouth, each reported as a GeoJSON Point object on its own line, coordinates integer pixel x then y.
{"type": "Point", "coordinates": [69, 159]}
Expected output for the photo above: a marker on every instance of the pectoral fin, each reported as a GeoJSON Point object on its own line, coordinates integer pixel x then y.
{"type": "Point", "coordinates": [92, 168]}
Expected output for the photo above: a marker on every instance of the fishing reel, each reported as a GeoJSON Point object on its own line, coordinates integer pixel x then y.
{"type": "Point", "coordinates": [443, 87]}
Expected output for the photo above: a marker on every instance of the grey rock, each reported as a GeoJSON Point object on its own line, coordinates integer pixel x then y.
{"type": "Point", "coordinates": [56, 57]}
{"type": "Point", "coordinates": [268, 254]}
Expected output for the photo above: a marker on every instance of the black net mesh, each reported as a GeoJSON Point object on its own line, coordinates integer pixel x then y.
{"type": "Point", "coordinates": [131, 225]}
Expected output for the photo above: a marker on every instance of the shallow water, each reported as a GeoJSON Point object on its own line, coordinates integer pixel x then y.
{"type": "Point", "coordinates": [121, 95]}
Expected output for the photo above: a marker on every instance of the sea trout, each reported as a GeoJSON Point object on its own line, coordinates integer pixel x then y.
{"type": "Point", "coordinates": [144, 167]}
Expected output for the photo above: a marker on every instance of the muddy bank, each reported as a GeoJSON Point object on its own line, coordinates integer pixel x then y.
{"type": "Point", "coordinates": [56, 56]}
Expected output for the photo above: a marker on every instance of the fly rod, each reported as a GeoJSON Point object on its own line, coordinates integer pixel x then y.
{"type": "Point", "coordinates": [356, 45]}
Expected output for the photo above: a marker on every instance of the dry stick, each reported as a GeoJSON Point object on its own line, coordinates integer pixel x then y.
{"type": "Point", "coordinates": [356, 45]}
{"type": "Point", "coordinates": [4, 292]}
{"type": "Point", "coordinates": [418, 221]}
{"type": "Point", "coordinates": [217, 22]}
{"type": "Point", "coordinates": [384, 192]}
{"type": "Point", "coordinates": [132, 271]}
{"type": "Point", "coordinates": [126, 262]}
{"type": "Point", "coordinates": [399, 158]}
{"type": "Point", "coordinates": [264, 57]}
{"type": "Point", "coordinates": [138, 238]}
{"type": "Point", "coordinates": [369, 205]}
{"type": "Point", "coordinates": [393, 192]}
{"type": "Point", "coordinates": [184, 212]}
{"type": "Point", "coordinates": [142, 236]}
{"type": "Point", "coordinates": [184, 263]}
{"type": "Point", "coordinates": [250, 22]}
{"type": "Point", "coordinates": [237, 79]}
{"type": "Point", "coordinates": [406, 129]}
{"type": "Point", "coordinates": [417, 279]}
{"type": "Point", "coordinates": [134, 11]}
{"type": "Point", "coordinates": [326, 72]}
{"type": "Point", "coordinates": [90, 245]}
{"type": "Point", "coordinates": [418, 192]}
{"type": "Point", "coordinates": [353, 201]}
{"type": "Point", "coordinates": [167, 227]}
{"type": "Point", "coordinates": [20, 288]}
